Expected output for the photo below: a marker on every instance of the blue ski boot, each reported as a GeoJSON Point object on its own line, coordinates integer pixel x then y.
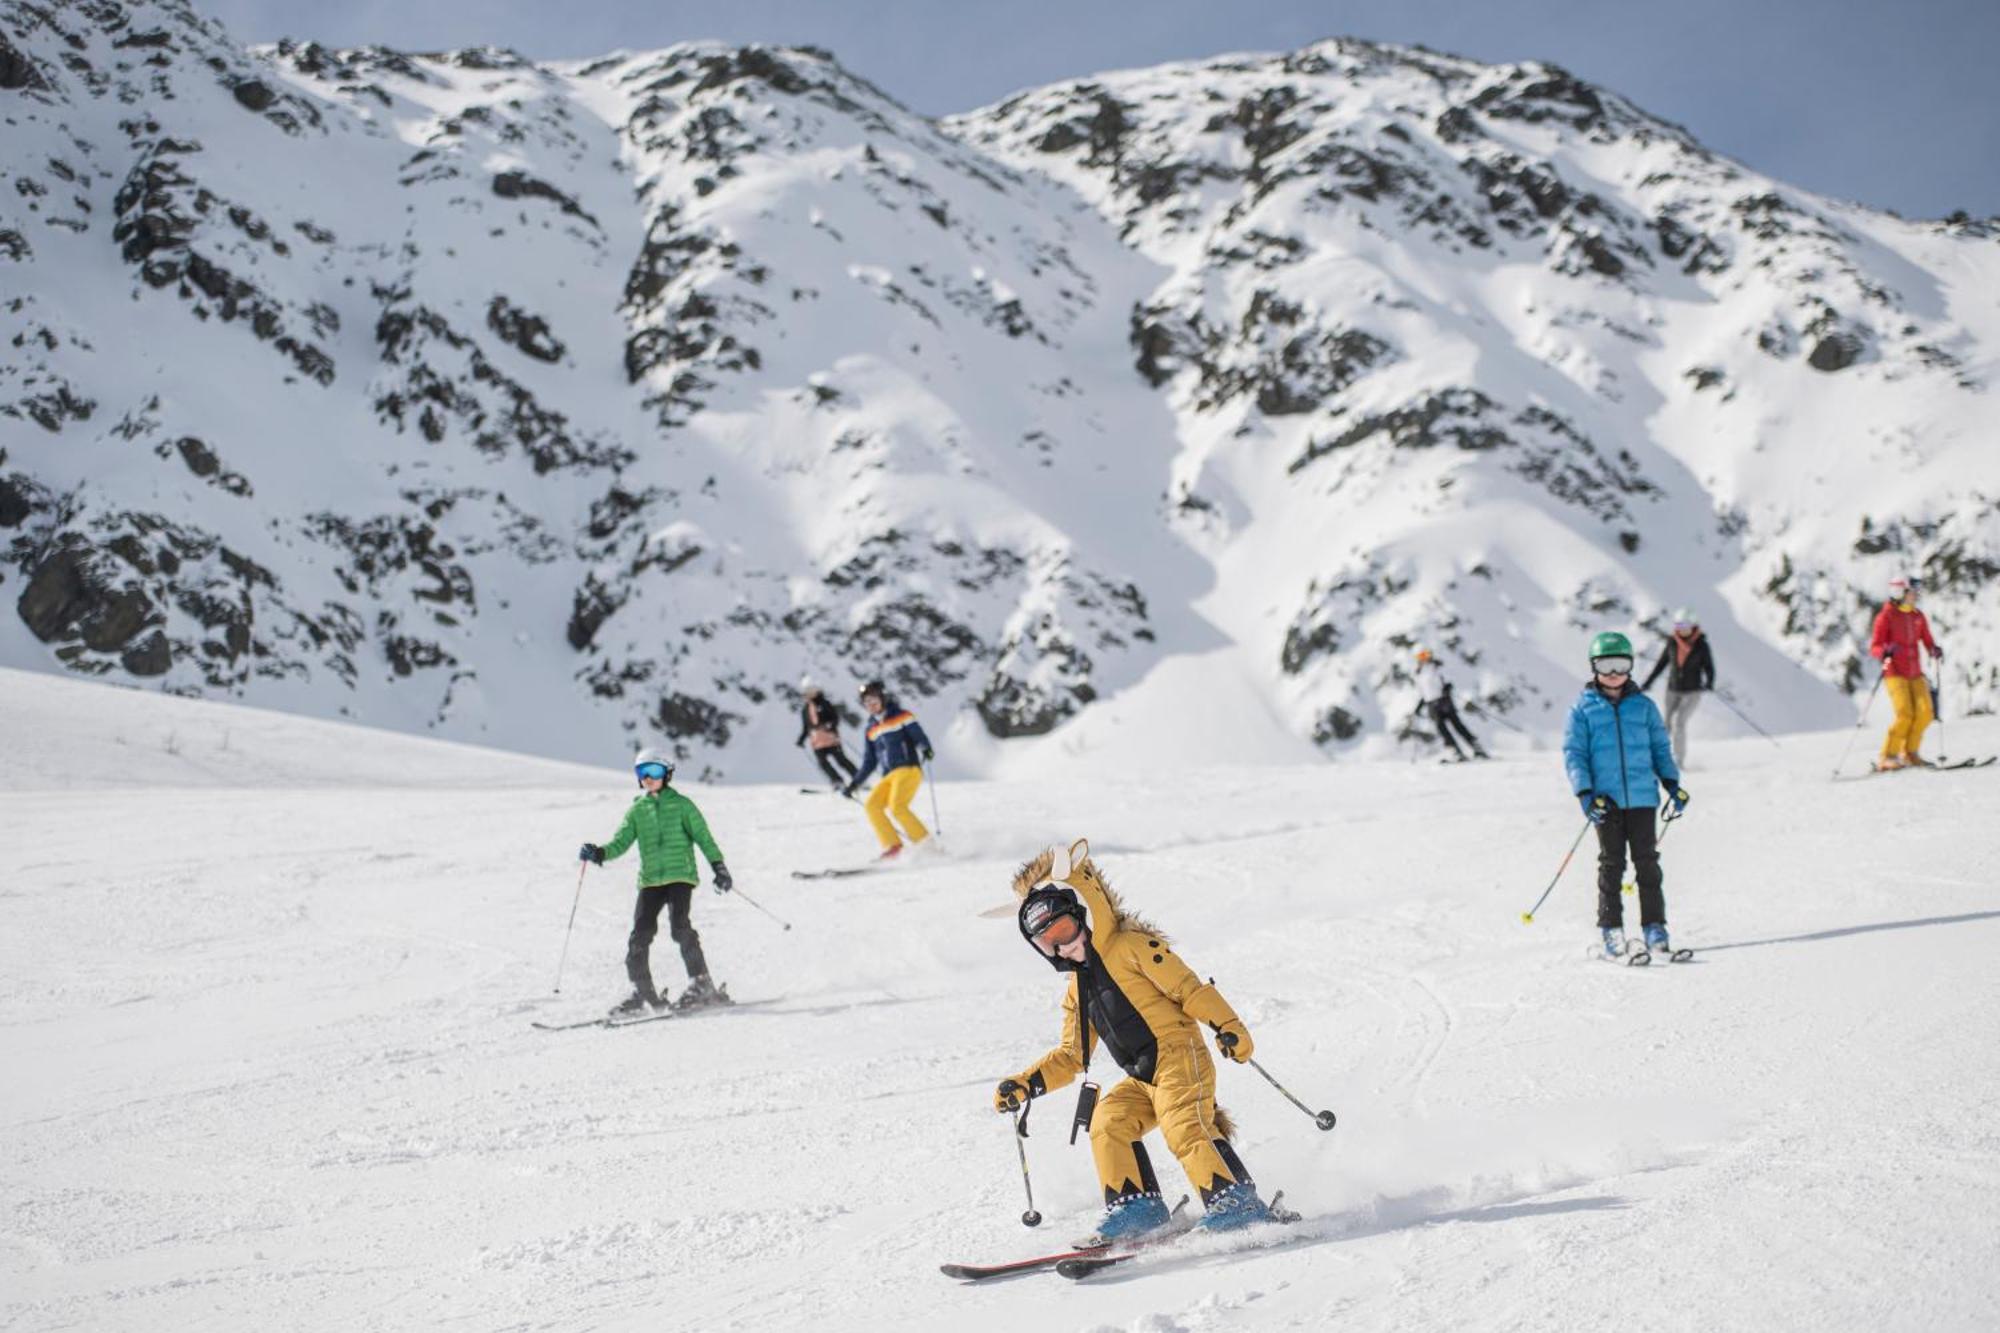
{"type": "Point", "coordinates": [1131, 1217]}
{"type": "Point", "coordinates": [1234, 1207]}
{"type": "Point", "coordinates": [1656, 940]}
{"type": "Point", "coordinates": [1614, 941]}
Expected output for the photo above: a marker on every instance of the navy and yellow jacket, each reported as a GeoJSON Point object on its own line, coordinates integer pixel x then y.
{"type": "Point", "coordinates": [894, 741]}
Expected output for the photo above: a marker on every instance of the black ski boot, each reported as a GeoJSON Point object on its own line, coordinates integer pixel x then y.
{"type": "Point", "coordinates": [701, 992]}
{"type": "Point", "coordinates": [638, 1005]}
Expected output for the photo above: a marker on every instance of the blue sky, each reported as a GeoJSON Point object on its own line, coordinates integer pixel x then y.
{"type": "Point", "coordinates": [1888, 102]}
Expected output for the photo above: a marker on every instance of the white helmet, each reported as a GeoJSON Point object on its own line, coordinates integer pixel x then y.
{"type": "Point", "coordinates": [1902, 586]}
{"type": "Point", "coordinates": [1684, 618]}
{"type": "Point", "coordinates": [651, 758]}
{"type": "Point", "coordinates": [808, 687]}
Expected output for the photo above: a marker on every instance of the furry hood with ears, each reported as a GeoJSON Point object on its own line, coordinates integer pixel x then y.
{"type": "Point", "coordinates": [1072, 866]}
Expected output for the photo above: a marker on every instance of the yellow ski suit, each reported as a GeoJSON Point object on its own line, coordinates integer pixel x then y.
{"type": "Point", "coordinates": [1154, 1034]}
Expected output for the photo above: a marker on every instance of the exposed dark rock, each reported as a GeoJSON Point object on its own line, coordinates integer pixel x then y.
{"type": "Point", "coordinates": [200, 459]}
{"type": "Point", "coordinates": [18, 72]}
{"type": "Point", "coordinates": [593, 605]}
{"type": "Point", "coordinates": [17, 499]}
{"type": "Point", "coordinates": [683, 716]}
{"type": "Point", "coordinates": [73, 594]}
{"type": "Point", "coordinates": [254, 94]}
{"type": "Point", "coordinates": [14, 246]}
{"type": "Point", "coordinates": [517, 328]}
{"type": "Point", "coordinates": [1335, 724]}
{"type": "Point", "coordinates": [520, 185]}
{"type": "Point", "coordinates": [1836, 351]}
{"type": "Point", "coordinates": [1454, 416]}
{"type": "Point", "coordinates": [151, 656]}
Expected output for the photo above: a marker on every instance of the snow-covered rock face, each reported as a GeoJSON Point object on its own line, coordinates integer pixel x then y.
{"type": "Point", "coordinates": [560, 405]}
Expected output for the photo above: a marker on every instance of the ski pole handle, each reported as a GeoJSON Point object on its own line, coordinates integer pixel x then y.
{"type": "Point", "coordinates": [765, 910]}
{"type": "Point", "coordinates": [560, 962]}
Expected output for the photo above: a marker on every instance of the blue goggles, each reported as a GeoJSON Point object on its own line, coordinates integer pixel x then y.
{"type": "Point", "coordinates": [658, 772]}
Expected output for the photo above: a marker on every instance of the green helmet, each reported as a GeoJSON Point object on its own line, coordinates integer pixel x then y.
{"type": "Point", "coordinates": [1610, 644]}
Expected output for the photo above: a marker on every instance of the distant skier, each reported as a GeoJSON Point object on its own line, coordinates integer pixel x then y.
{"type": "Point", "coordinates": [1901, 634]}
{"type": "Point", "coordinates": [1130, 993]}
{"type": "Point", "coordinates": [1436, 693]}
{"type": "Point", "coordinates": [819, 725]}
{"type": "Point", "coordinates": [896, 745]}
{"type": "Point", "coordinates": [667, 826]}
{"type": "Point", "coordinates": [1690, 669]}
{"type": "Point", "coordinates": [1615, 749]}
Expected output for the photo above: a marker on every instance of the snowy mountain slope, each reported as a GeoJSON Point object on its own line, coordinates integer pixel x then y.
{"type": "Point", "coordinates": [278, 1068]}
{"type": "Point", "coordinates": [554, 406]}
{"type": "Point", "coordinates": [1537, 362]}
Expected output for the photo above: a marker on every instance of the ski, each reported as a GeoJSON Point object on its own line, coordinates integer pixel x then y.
{"type": "Point", "coordinates": [1040, 1263]}
{"type": "Point", "coordinates": [672, 1011]}
{"type": "Point", "coordinates": [837, 872]}
{"type": "Point", "coordinates": [1942, 767]}
{"type": "Point", "coordinates": [1082, 1250]}
{"type": "Point", "coordinates": [1076, 1267]}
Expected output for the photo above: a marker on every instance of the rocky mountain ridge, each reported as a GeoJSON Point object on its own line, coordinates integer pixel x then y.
{"type": "Point", "coordinates": [556, 405]}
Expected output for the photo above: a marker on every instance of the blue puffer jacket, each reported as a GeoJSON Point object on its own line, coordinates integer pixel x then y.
{"type": "Point", "coordinates": [1620, 749]}
{"type": "Point", "coordinates": [894, 741]}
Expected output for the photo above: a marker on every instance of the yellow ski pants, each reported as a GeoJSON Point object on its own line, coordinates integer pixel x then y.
{"type": "Point", "coordinates": [892, 796]}
{"type": "Point", "coordinates": [1181, 1102]}
{"type": "Point", "coordinates": [1911, 698]}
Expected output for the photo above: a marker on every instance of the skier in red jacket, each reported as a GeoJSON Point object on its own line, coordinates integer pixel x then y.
{"type": "Point", "coordinates": [1901, 634]}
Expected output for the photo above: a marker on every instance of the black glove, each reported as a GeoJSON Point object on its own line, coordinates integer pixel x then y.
{"type": "Point", "coordinates": [723, 882]}
{"type": "Point", "coordinates": [1888, 651]}
{"type": "Point", "coordinates": [1676, 794]}
{"type": "Point", "coordinates": [592, 853]}
{"type": "Point", "coordinates": [1595, 807]}
{"type": "Point", "coordinates": [848, 790]}
{"type": "Point", "coordinates": [1937, 653]}
{"type": "Point", "coordinates": [925, 754]}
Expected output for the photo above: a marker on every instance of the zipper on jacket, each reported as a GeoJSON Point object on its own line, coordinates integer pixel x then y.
{"type": "Point", "coordinates": [1618, 729]}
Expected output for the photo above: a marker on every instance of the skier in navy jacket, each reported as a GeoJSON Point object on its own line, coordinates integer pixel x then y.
{"type": "Point", "coordinates": [1615, 749]}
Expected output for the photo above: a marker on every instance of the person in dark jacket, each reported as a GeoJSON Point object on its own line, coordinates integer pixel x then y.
{"type": "Point", "coordinates": [819, 725]}
{"type": "Point", "coordinates": [898, 747]}
{"type": "Point", "coordinates": [1615, 751]}
{"type": "Point", "coordinates": [1690, 669]}
{"type": "Point", "coordinates": [666, 827]}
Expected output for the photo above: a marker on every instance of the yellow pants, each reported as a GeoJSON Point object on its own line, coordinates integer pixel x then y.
{"type": "Point", "coordinates": [1181, 1102]}
{"type": "Point", "coordinates": [892, 796]}
{"type": "Point", "coordinates": [1911, 697]}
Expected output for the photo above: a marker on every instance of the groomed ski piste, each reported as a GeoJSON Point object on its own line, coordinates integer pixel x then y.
{"type": "Point", "coordinates": [267, 987]}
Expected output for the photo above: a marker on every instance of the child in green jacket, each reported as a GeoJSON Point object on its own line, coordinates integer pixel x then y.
{"type": "Point", "coordinates": [667, 827]}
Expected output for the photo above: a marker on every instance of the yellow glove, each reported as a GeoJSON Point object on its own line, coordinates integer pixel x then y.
{"type": "Point", "coordinates": [1011, 1095]}
{"type": "Point", "coordinates": [1233, 1039]}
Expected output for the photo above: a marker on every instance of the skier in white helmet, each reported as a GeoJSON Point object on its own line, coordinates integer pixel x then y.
{"type": "Point", "coordinates": [667, 827]}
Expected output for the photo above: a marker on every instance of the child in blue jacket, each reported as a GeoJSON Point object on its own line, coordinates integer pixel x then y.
{"type": "Point", "coordinates": [1615, 748]}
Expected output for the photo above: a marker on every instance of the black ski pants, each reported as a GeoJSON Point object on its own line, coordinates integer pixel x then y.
{"type": "Point", "coordinates": [646, 925]}
{"type": "Point", "coordinates": [830, 756]}
{"type": "Point", "coordinates": [1629, 831]}
{"type": "Point", "coordinates": [1445, 713]}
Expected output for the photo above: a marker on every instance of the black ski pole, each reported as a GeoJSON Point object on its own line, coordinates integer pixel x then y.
{"type": "Point", "coordinates": [1031, 1218]}
{"type": "Point", "coordinates": [1858, 722]}
{"type": "Point", "coordinates": [1937, 709]}
{"type": "Point", "coordinates": [572, 925]}
{"type": "Point", "coordinates": [1731, 706]}
{"type": "Point", "coordinates": [1490, 716]}
{"type": "Point", "coordinates": [1324, 1119]}
{"type": "Point", "coordinates": [760, 907]}
{"type": "Point", "coordinates": [1528, 917]}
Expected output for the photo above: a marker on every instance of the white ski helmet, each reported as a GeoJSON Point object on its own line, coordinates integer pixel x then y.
{"type": "Point", "coordinates": [651, 758]}
{"type": "Point", "coordinates": [1684, 618]}
{"type": "Point", "coordinates": [809, 687]}
{"type": "Point", "coordinates": [1902, 586]}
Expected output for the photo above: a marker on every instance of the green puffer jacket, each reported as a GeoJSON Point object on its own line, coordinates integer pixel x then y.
{"type": "Point", "coordinates": [667, 828]}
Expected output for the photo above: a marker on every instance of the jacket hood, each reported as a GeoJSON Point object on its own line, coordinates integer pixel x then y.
{"type": "Point", "coordinates": [1072, 866]}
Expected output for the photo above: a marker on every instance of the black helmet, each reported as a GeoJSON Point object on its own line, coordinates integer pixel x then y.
{"type": "Point", "coordinates": [1041, 919]}
{"type": "Point", "coordinates": [874, 687]}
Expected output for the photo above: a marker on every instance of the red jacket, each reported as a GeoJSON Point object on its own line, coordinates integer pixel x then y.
{"type": "Point", "coordinates": [1904, 630]}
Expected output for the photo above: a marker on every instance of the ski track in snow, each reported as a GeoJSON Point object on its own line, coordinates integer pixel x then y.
{"type": "Point", "coordinates": [270, 1063]}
